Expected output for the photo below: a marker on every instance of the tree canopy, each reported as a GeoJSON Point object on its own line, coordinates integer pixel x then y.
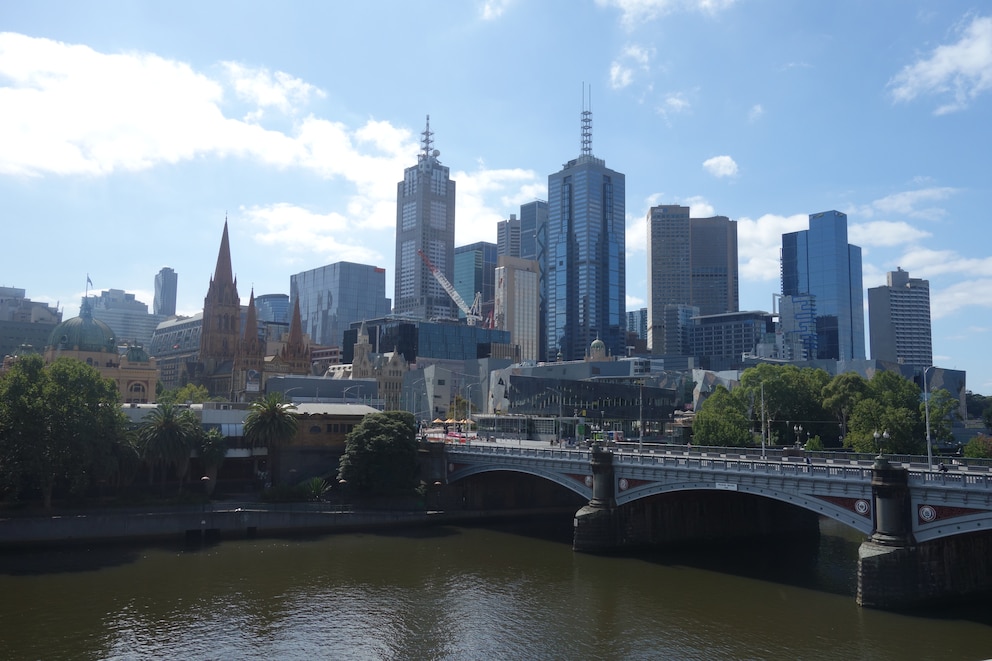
{"type": "Point", "coordinates": [380, 456]}
{"type": "Point", "coordinates": [270, 423]}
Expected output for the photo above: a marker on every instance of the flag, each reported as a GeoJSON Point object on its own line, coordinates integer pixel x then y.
{"type": "Point", "coordinates": [88, 281]}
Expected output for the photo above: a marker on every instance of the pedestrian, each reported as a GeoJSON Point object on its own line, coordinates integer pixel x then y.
{"type": "Point", "coordinates": [941, 467]}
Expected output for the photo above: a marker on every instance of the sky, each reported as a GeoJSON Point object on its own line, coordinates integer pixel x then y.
{"type": "Point", "coordinates": [130, 130]}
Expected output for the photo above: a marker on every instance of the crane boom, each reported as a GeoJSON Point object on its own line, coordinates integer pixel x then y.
{"type": "Point", "coordinates": [471, 314]}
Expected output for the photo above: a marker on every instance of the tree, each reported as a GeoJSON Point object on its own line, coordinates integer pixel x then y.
{"type": "Point", "coordinates": [187, 394]}
{"type": "Point", "coordinates": [168, 435]}
{"type": "Point", "coordinates": [722, 420]}
{"type": "Point", "coordinates": [842, 394]}
{"type": "Point", "coordinates": [979, 447]}
{"type": "Point", "coordinates": [212, 450]}
{"type": "Point", "coordinates": [270, 423]}
{"type": "Point", "coordinates": [943, 413]}
{"type": "Point", "coordinates": [987, 418]}
{"type": "Point", "coordinates": [380, 456]}
{"type": "Point", "coordinates": [59, 424]}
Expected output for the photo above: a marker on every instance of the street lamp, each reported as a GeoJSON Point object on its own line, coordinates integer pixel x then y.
{"type": "Point", "coordinates": [349, 389]}
{"type": "Point", "coordinates": [560, 398]}
{"type": "Point", "coordinates": [885, 437]}
{"type": "Point", "coordinates": [926, 409]}
{"type": "Point", "coordinates": [286, 392]}
{"type": "Point", "coordinates": [799, 430]}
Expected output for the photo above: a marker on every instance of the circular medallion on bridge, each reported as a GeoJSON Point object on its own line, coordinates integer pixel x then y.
{"type": "Point", "coordinates": [624, 484]}
{"type": "Point", "coordinates": [588, 480]}
{"type": "Point", "coordinates": [861, 506]}
{"type": "Point", "coordinates": [928, 513]}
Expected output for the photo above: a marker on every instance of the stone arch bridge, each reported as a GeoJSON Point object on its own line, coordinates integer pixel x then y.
{"type": "Point", "coordinates": [928, 532]}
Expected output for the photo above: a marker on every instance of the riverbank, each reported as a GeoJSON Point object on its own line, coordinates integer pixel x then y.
{"type": "Point", "coordinates": [222, 521]}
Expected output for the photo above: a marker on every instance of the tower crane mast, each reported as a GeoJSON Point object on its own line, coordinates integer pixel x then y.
{"type": "Point", "coordinates": [472, 315]}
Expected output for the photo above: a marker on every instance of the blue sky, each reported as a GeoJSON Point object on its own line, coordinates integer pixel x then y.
{"type": "Point", "coordinates": [129, 129]}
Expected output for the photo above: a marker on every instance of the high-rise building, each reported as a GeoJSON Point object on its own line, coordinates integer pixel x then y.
{"type": "Point", "coordinates": [533, 245]}
{"type": "Point", "coordinates": [518, 304]}
{"type": "Point", "coordinates": [899, 320]}
{"type": "Point", "coordinates": [425, 223]}
{"type": "Point", "coordinates": [273, 308]}
{"type": "Point", "coordinates": [335, 296]}
{"type": "Point", "coordinates": [637, 323]}
{"type": "Point", "coordinates": [166, 286]}
{"type": "Point", "coordinates": [586, 268]}
{"type": "Point", "coordinates": [127, 316]}
{"type": "Point", "coordinates": [691, 261]}
{"type": "Point", "coordinates": [475, 273]}
{"type": "Point", "coordinates": [820, 262]}
{"type": "Point", "coordinates": [508, 237]}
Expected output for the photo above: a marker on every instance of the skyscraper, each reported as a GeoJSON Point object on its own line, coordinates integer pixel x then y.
{"type": "Point", "coordinates": [425, 222]}
{"type": "Point", "coordinates": [691, 262]}
{"type": "Point", "coordinates": [586, 276]}
{"type": "Point", "coordinates": [533, 245]}
{"type": "Point", "coordinates": [899, 320]}
{"type": "Point", "coordinates": [518, 304]}
{"type": "Point", "coordinates": [475, 272]}
{"type": "Point", "coordinates": [166, 285]}
{"type": "Point", "coordinates": [333, 297]}
{"type": "Point", "coordinates": [820, 262]}
{"type": "Point", "coordinates": [508, 237]}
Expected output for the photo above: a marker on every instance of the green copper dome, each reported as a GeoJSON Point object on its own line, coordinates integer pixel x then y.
{"type": "Point", "coordinates": [136, 354]}
{"type": "Point", "coordinates": [83, 333]}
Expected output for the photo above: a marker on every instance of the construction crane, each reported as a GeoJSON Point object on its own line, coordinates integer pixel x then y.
{"type": "Point", "coordinates": [472, 315]}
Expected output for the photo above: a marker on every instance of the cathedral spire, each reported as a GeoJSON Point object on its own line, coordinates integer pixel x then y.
{"type": "Point", "coordinates": [251, 318]}
{"type": "Point", "coordinates": [223, 272]}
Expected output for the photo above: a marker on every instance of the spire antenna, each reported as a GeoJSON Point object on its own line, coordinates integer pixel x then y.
{"type": "Point", "coordinates": [586, 122]}
{"type": "Point", "coordinates": [428, 140]}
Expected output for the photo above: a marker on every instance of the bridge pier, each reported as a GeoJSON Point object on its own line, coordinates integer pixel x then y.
{"type": "Point", "coordinates": [596, 525]}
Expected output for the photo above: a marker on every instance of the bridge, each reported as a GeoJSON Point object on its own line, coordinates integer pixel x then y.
{"type": "Point", "coordinates": [915, 518]}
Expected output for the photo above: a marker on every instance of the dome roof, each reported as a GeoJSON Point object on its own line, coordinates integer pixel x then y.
{"type": "Point", "coordinates": [83, 333]}
{"type": "Point", "coordinates": [136, 354]}
{"type": "Point", "coordinates": [598, 344]}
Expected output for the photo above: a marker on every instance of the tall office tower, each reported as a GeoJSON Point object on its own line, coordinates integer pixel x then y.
{"type": "Point", "coordinates": [508, 237]}
{"type": "Point", "coordinates": [586, 272]}
{"type": "Point", "coordinates": [166, 285]}
{"type": "Point", "coordinates": [475, 272]}
{"type": "Point", "coordinates": [637, 323]}
{"type": "Point", "coordinates": [714, 283]}
{"type": "Point", "coordinates": [425, 222]}
{"type": "Point", "coordinates": [128, 316]}
{"type": "Point", "coordinates": [333, 297]}
{"type": "Point", "coordinates": [533, 245]}
{"type": "Point", "coordinates": [691, 262]}
{"type": "Point", "coordinates": [669, 252]}
{"type": "Point", "coordinates": [518, 304]}
{"type": "Point", "coordinates": [899, 320]}
{"type": "Point", "coordinates": [273, 308]}
{"type": "Point", "coordinates": [820, 262]}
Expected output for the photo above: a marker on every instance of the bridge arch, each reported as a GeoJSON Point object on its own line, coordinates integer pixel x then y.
{"type": "Point", "coordinates": [572, 482]}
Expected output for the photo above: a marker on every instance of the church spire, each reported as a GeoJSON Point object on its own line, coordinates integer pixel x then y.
{"type": "Point", "coordinates": [223, 272]}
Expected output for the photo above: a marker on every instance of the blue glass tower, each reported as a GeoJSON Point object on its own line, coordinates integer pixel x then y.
{"type": "Point", "coordinates": [586, 272]}
{"type": "Point", "coordinates": [821, 263]}
{"type": "Point", "coordinates": [475, 272]}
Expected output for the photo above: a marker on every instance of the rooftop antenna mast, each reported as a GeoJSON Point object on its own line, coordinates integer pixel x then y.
{"type": "Point", "coordinates": [428, 140]}
{"type": "Point", "coordinates": [586, 122]}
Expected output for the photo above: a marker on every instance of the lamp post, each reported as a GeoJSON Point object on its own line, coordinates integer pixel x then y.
{"type": "Point", "coordinates": [286, 392]}
{"type": "Point", "coordinates": [560, 398]}
{"type": "Point", "coordinates": [926, 415]}
{"type": "Point", "coordinates": [799, 430]}
{"type": "Point", "coordinates": [349, 389]}
{"type": "Point", "coordinates": [468, 401]}
{"type": "Point", "coordinates": [885, 437]}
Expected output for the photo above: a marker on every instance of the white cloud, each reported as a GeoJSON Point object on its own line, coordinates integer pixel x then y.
{"type": "Point", "coordinates": [493, 9]}
{"type": "Point", "coordinates": [476, 218]}
{"type": "Point", "coordinates": [756, 113]}
{"type": "Point", "coordinates": [264, 89]}
{"type": "Point", "coordinates": [620, 76]}
{"type": "Point", "coordinates": [969, 293]}
{"type": "Point", "coordinates": [635, 12]}
{"type": "Point", "coordinates": [884, 233]}
{"type": "Point", "coordinates": [721, 166]}
{"type": "Point", "coordinates": [759, 243]}
{"type": "Point", "coordinates": [907, 203]}
{"type": "Point", "coordinates": [698, 207]}
{"type": "Point", "coordinates": [622, 70]}
{"type": "Point", "coordinates": [674, 103]}
{"type": "Point", "coordinates": [961, 70]}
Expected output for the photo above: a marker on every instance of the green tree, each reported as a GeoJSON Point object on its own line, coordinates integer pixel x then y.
{"type": "Point", "coordinates": [380, 456]}
{"type": "Point", "coordinates": [842, 394]}
{"type": "Point", "coordinates": [187, 394]}
{"type": "Point", "coordinates": [168, 436]}
{"type": "Point", "coordinates": [987, 418]}
{"type": "Point", "coordinates": [943, 413]}
{"type": "Point", "coordinates": [722, 420]}
{"type": "Point", "coordinates": [980, 447]}
{"type": "Point", "coordinates": [59, 424]}
{"type": "Point", "coordinates": [212, 451]}
{"type": "Point", "coordinates": [270, 423]}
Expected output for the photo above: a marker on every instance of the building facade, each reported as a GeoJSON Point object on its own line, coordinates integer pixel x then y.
{"type": "Point", "coordinates": [128, 317]}
{"type": "Point", "coordinates": [333, 297]}
{"type": "Point", "coordinates": [637, 323]}
{"type": "Point", "coordinates": [821, 263]}
{"type": "Point", "coordinates": [899, 320]}
{"type": "Point", "coordinates": [425, 224]}
{"type": "Point", "coordinates": [25, 325]}
{"type": "Point", "coordinates": [273, 308]}
{"type": "Point", "coordinates": [691, 261]}
{"type": "Point", "coordinates": [475, 273]}
{"type": "Point", "coordinates": [518, 304]}
{"type": "Point", "coordinates": [533, 245]}
{"type": "Point", "coordinates": [586, 243]}
{"type": "Point", "coordinates": [166, 288]}
{"type": "Point", "coordinates": [508, 237]}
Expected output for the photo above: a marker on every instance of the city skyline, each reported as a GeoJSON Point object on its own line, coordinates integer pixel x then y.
{"type": "Point", "coordinates": [129, 134]}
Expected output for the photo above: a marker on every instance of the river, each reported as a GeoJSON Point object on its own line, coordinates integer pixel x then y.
{"type": "Point", "coordinates": [461, 593]}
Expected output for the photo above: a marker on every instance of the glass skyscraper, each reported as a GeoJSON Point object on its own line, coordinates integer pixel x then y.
{"type": "Point", "coordinates": [533, 245]}
{"type": "Point", "coordinates": [821, 263]}
{"type": "Point", "coordinates": [425, 222]}
{"type": "Point", "coordinates": [586, 270]}
{"type": "Point", "coordinates": [166, 286]}
{"type": "Point", "coordinates": [333, 297]}
{"type": "Point", "coordinates": [475, 272]}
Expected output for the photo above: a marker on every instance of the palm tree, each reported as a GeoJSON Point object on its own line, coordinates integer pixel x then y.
{"type": "Point", "coordinates": [270, 423]}
{"type": "Point", "coordinates": [168, 434]}
{"type": "Point", "coordinates": [212, 450]}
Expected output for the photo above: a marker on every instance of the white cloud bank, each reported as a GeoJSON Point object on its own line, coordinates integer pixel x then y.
{"type": "Point", "coordinates": [634, 12]}
{"type": "Point", "coordinates": [961, 70]}
{"type": "Point", "coordinates": [721, 166]}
